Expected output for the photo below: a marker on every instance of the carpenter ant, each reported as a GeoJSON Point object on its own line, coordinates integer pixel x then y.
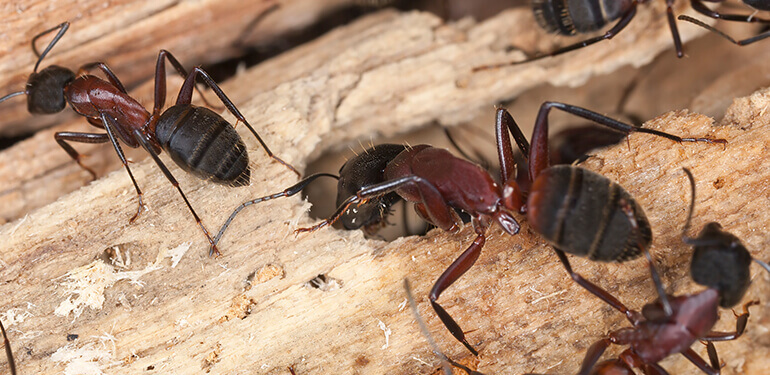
{"type": "Point", "coordinates": [199, 140]}
{"type": "Point", "coordinates": [721, 263]}
{"type": "Point", "coordinates": [584, 16]}
{"type": "Point", "coordinates": [577, 210]}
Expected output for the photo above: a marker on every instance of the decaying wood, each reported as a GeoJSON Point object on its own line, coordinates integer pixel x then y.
{"type": "Point", "coordinates": [129, 35]}
{"type": "Point", "coordinates": [251, 311]}
{"type": "Point", "coordinates": [160, 304]}
{"type": "Point", "coordinates": [381, 75]}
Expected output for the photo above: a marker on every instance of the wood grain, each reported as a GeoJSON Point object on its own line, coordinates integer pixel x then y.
{"type": "Point", "coordinates": [127, 35]}
{"type": "Point", "coordinates": [379, 76]}
{"type": "Point", "coordinates": [251, 311]}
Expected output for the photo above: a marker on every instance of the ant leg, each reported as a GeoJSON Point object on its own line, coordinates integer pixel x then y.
{"type": "Point", "coordinates": [185, 96]}
{"type": "Point", "coordinates": [439, 212]}
{"type": "Point", "coordinates": [445, 361]}
{"type": "Point", "coordinates": [674, 29]}
{"type": "Point", "coordinates": [592, 356]}
{"type": "Point", "coordinates": [138, 135]}
{"type": "Point", "coordinates": [740, 326]}
{"type": "Point", "coordinates": [62, 138]}
{"type": "Point", "coordinates": [62, 27]}
{"type": "Point", "coordinates": [693, 357]}
{"type": "Point", "coordinates": [730, 39]}
{"type": "Point", "coordinates": [713, 355]}
{"type": "Point", "coordinates": [119, 151]}
{"type": "Point", "coordinates": [597, 290]}
{"type": "Point", "coordinates": [538, 156]}
{"type": "Point", "coordinates": [455, 270]}
{"type": "Point", "coordinates": [629, 211]}
{"type": "Point", "coordinates": [107, 71]}
{"type": "Point", "coordinates": [292, 190]}
{"type": "Point", "coordinates": [160, 82]}
{"type": "Point", "coordinates": [701, 8]}
{"type": "Point", "coordinates": [622, 23]}
{"type": "Point", "coordinates": [8, 352]}
{"type": "Point", "coordinates": [504, 120]}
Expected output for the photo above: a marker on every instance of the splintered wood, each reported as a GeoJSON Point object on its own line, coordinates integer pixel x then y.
{"type": "Point", "coordinates": [85, 291]}
{"type": "Point", "coordinates": [382, 75]}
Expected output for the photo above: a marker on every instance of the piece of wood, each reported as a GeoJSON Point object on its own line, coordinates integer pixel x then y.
{"type": "Point", "coordinates": [251, 310]}
{"type": "Point", "coordinates": [382, 75]}
{"type": "Point", "coordinates": [128, 35]}
{"type": "Point", "coordinates": [210, 315]}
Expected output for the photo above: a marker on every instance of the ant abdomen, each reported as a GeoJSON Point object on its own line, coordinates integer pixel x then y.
{"type": "Point", "coordinates": [569, 17]}
{"type": "Point", "coordinates": [45, 90]}
{"type": "Point", "coordinates": [203, 143]}
{"type": "Point", "coordinates": [579, 212]}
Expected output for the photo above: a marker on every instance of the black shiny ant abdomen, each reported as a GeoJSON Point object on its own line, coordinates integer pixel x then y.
{"type": "Point", "coordinates": [570, 17]}
{"type": "Point", "coordinates": [203, 143]}
{"type": "Point", "coordinates": [562, 193]}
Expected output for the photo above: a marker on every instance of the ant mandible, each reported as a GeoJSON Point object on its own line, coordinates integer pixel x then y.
{"type": "Point", "coordinates": [555, 204]}
{"type": "Point", "coordinates": [721, 263]}
{"type": "Point", "coordinates": [585, 16]}
{"type": "Point", "coordinates": [198, 139]}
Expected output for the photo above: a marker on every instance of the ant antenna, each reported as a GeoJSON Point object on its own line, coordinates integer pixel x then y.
{"type": "Point", "coordinates": [685, 237]}
{"type": "Point", "coordinates": [763, 264]}
{"type": "Point", "coordinates": [11, 95]}
{"type": "Point", "coordinates": [62, 29]}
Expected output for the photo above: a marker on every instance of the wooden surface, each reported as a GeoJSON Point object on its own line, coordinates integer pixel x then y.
{"type": "Point", "coordinates": [250, 311]}
{"type": "Point", "coordinates": [524, 314]}
{"type": "Point", "coordinates": [127, 35]}
{"type": "Point", "coordinates": [379, 76]}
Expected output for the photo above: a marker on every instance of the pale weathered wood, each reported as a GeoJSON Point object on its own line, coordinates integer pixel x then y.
{"type": "Point", "coordinates": [128, 35]}
{"type": "Point", "coordinates": [381, 75]}
{"type": "Point", "coordinates": [525, 315]}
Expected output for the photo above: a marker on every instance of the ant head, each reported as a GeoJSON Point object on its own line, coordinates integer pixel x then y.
{"type": "Point", "coordinates": [720, 261]}
{"type": "Point", "coordinates": [367, 169]}
{"type": "Point", "coordinates": [45, 90]}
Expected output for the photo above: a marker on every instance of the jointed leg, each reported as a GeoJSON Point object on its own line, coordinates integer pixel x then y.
{"type": "Point", "coordinates": [597, 290]}
{"type": "Point", "coordinates": [701, 8]}
{"type": "Point", "coordinates": [461, 265]}
{"type": "Point", "coordinates": [538, 156]}
{"type": "Point", "coordinates": [622, 23]}
{"type": "Point", "coordinates": [440, 213]}
{"type": "Point", "coordinates": [63, 137]}
{"type": "Point", "coordinates": [742, 42]}
{"type": "Point", "coordinates": [740, 326]}
{"type": "Point", "coordinates": [173, 181]}
{"type": "Point", "coordinates": [119, 150]}
{"type": "Point", "coordinates": [107, 71]}
{"type": "Point", "coordinates": [185, 96]}
{"type": "Point", "coordinates": [504, 120]}
{"type": "Point", "coordinates": [629, 211]}
{"type": "Point", "coordinates": [292, 190]}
